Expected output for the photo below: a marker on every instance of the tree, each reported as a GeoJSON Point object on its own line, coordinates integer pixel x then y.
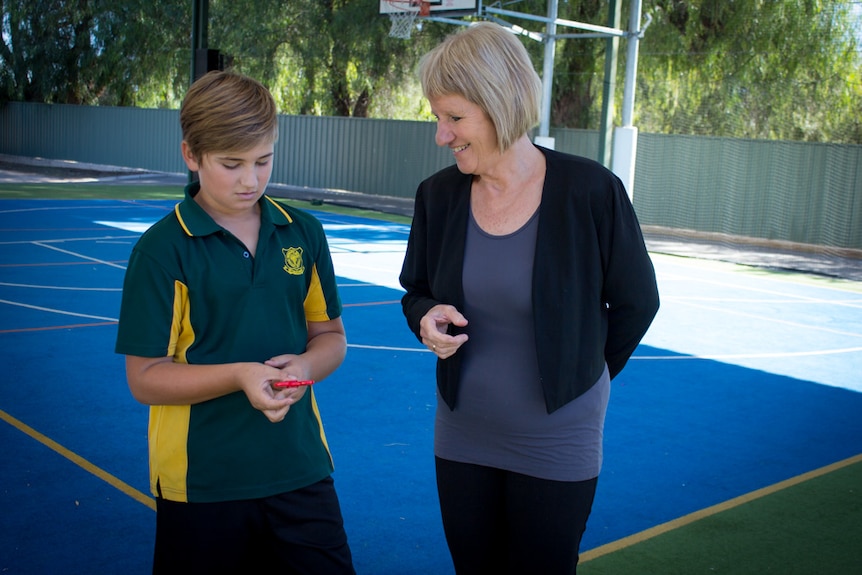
{"type": "Point", "coordinates": [758, 69]}
{"type": "Point", "coordinates": [91, 52]}
{"type": "Point", "coordinates": [328, 57]}
{"type": "Point", "coordinates": [786, 69]}
{"type": "Point", "coordinates": [578, 69]}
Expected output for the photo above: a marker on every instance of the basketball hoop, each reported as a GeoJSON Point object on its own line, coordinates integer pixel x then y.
{"type": "Point", "coordinates": [404, 15]}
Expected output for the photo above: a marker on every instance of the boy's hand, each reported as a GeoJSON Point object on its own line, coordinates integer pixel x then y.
{"type": "Point", "coordinates": [293, 363]}
{"type": "Point", "coordinates": [273, 403]}
{"type": "Point", "coordinates": [290, 395]}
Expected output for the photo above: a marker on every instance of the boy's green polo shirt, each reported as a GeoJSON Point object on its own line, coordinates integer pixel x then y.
{"type": "Point", "coordinates": [193, 292]}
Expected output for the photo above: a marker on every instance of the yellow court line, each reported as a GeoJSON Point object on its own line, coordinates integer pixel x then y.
{"type": "Point", "coordinates": [80, 461]}
{"type": "Point", "coordinates": [652, 532]}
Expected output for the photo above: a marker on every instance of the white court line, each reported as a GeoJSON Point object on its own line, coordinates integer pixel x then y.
{"type": "Point", "coordinates": [33, 286]}
{"type": "Point", "coordinates": [58, 311]}
{"type": "Point", "coordinates": [113, 319]}
{"type": "Point", "coordinates": [772, 319]}
{"type": "Point", "coordinates": [360, 254]}
{"type": "Point", "coordinates": [737, 286]}
{"type": "Point", "coordinates": [663, 276]}
{"type": "Point", "coordinates": [68, 240]}
{"type": "Point", "coordinates": [62, 208]}
{"type": "Point", "coordinates": [715, 357]}
{"type": "Point", "coordinates": [726, 356]}
{"type": "Point", "coordinates": [82, 256]}
{"type": "Point", "coordinates": [677, 298]}
{"type": "Point", "coordinates": [788, 297]}
{"type": "Point", "coordinates": [139, 227]}
{"type": "Point", "coordinates": [389, 348]}
{"type": "Point", "coordinates": [388, 227]}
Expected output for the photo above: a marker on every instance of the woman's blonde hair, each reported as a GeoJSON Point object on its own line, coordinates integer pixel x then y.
{"type": "Point", "coordinates": [224, 111]}
{"type": "Point", "coordinates": [491, 68]}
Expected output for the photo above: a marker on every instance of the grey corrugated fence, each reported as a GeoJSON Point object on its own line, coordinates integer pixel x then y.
{"type": "Point", "coordinates": [804, 193]}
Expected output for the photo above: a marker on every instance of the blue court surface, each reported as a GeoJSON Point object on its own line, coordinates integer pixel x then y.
{"type": "Point", "coordinates": [746, 379]}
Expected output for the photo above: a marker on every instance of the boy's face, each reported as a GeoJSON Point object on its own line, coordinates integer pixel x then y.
{"type": "Point", "coordinates": [231, 182]}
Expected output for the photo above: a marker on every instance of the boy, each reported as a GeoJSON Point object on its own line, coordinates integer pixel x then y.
{"type": "Point", "coordinates": [223, 298]}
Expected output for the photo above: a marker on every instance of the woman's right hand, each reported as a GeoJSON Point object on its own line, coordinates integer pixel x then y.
{"type": "Point", "coordinates": [433, 328]}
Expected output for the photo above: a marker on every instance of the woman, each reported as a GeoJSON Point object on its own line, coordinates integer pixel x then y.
{"type": "Point", "coordinates": [527, 275]}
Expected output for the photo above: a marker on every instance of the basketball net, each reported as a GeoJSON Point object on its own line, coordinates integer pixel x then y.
{"type": "Point", "coordinates": [402, 20]}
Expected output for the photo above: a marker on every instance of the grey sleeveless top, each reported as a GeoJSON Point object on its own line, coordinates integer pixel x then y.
{"type": "Point", "coordinates": [500, 419]}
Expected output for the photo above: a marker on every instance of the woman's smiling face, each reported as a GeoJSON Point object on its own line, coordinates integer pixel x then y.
{"type": "Point", "coordinates": [464, 128]}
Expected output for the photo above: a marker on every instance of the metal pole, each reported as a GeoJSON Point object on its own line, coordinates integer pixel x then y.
{"type": "Point", "coordinates": [200, 31]}
{"type": "Point", "coordinates": [626, 136]}
{"type": "Point", "coordinates": [548, 69]}
{"type": "Point", "coordinates": [609, 93]}
{"type": "Point", "coordinates": [631, 63]}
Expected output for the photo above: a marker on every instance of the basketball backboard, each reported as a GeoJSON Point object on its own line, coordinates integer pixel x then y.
{"type": "Point", "coordinates": [437, 7]}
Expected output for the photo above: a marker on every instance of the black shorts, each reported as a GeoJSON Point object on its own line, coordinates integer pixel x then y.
{"type": "Point", "coordinates": [299, 532]}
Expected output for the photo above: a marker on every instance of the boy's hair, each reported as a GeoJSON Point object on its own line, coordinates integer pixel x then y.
{"type": "Point", "coordinates": [225, 111]}
{"type": "Point", "coordinates": [490, 68]}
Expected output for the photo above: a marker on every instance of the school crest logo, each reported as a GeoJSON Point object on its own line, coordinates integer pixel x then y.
{"type": "Point", "coordinates": [293, 261]}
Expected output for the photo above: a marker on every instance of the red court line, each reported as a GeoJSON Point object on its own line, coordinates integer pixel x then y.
{"type": "Point", "coordinates": [54, 327]}
{"type": "Point", "coordinates": [51, 229]}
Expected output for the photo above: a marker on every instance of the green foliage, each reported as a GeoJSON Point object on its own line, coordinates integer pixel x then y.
{"type": "Point", "coordinates": [324, 57]}
{"type": "Point", "coordinates": [778, 69]}
{"type": "Point", "coordinates": [758, 69]}
{"type": "Point", "coordinates": [98, 52]}
{"type": "Point", "coordinates": [579, 68]}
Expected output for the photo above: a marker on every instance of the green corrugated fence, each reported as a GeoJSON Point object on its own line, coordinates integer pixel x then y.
{"type": "Point", "coordinates": [799, 192]}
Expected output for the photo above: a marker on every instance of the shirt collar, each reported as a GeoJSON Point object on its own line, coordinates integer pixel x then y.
{"type": "Point", "coordinates": [196, 222]}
